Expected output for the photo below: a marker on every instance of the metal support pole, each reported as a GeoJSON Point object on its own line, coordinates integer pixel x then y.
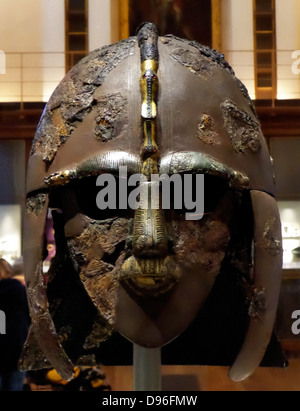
{"type": "Point", "coordinates": [146, 368]}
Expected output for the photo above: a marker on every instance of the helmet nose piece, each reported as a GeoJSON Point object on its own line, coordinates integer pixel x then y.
{"type": "Point", "coordinates": [149, 239]}
{"type": "Point", "coordinates": [149, 234]}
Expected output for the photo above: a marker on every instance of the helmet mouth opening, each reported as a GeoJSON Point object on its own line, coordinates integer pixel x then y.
{"type": "Point", "coordinates": [147, 286]}
{"type": "Point", "coordinates": [151, 277]}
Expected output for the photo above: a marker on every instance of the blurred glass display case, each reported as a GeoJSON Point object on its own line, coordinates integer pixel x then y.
{"type": "Point", "coordinates": [10, 232]}
{"type": "Point", "coordinates": [290, 222]}
{"type": "Point", "coordinates": [286, 155]}
{"type": "Point", "coordinates": [12, 198]}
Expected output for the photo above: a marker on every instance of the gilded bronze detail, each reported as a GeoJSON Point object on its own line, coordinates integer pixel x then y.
{"type": "Point", "coordinates": [144, 107]}
{"type": "Point", "coordinates": [147, 272]}
{"type": "Point", "coordinates": [149, 87]}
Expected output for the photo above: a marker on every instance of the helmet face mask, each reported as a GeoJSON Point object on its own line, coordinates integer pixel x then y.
{"type": "Point", "coordinates": [157, 106]}
{"type": "Point", "coordinates": [100, 247]}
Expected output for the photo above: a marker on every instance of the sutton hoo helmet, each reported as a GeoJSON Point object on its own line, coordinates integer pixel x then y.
{"type": "Point", "coordinates": [148, 106]}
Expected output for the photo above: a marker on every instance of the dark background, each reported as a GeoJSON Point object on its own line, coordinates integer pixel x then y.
{"type": "Point", "coordinates": [190, 19]}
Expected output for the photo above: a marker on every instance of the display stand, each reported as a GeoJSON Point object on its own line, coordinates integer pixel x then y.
{"type": "Point", "coordinates": [146, 368]}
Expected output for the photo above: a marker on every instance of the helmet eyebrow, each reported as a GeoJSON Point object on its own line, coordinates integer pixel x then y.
{"type": "Point", "coordinates": [102, 163]}
{"type": "Point", "coordinates": [187, 161]}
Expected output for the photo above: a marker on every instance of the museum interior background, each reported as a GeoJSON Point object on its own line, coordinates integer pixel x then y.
{"type": "Point", "coordinates": [40, 40]}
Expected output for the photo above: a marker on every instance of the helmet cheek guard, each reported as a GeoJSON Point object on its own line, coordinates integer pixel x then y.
{"type": "Point", "coordinates": [129, 105]}
{"type": "Point", "coordinates": [267, 279]}
{"type": "Point", "coordinates": [42, 329]}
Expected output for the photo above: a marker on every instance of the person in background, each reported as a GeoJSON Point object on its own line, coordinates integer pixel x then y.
{"type": "Point", "coordinates": [15, 316]}
{"type": "Point", "coordinates": [18, 270]}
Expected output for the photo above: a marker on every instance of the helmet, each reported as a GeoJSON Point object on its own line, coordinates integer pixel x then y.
{"type": "Point", "coordinates": [147, 105]}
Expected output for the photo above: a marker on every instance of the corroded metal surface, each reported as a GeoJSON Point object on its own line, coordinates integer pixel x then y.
{"type": "Point", "coordinates": [207, 130]}
{"type": "Point", "coordinates": [156, 105]}
{"type": "Point", "coordinates": [243, 130]}
{"type": "Point", "coordinates": [146, 272]}
{"type": "Point", "coordinates": [73, 98]}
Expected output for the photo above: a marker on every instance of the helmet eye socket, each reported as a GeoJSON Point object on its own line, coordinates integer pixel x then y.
{"type": "Point", "coordinates": [214, 189]}
{"type": "Point", "coordinates": [85, 191]}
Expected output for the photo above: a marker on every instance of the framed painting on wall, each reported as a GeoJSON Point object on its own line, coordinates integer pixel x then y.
{"type": "Point", "coordinates": [190, 19]}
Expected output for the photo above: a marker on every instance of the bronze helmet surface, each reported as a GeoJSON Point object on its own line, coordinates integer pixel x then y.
{"type": "Point", "coordinates": [157, 105]}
